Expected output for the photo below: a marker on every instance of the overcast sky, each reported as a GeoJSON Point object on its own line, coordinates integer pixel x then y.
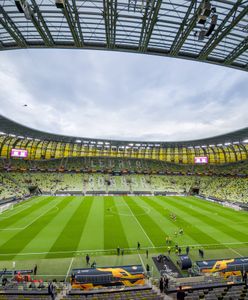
{"type": "Point", "coordinates": [120, 95]}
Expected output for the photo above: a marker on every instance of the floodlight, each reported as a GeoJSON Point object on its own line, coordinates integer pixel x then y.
{"type": "Point", "coordinates": [60, 3]}
{"type": "Point", "coordinates": [212, 25]}
{"type": "Point", "coordinates": [23, 7]}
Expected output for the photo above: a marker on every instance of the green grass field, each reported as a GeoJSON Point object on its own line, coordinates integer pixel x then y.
{"type": "Point", "coordinates": [57, 232]}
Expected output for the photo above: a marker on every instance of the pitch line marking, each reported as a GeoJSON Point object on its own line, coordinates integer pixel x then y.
{"type": "Point", "coordinates": [68, 271]}
{"type": "Point", "coordinates": [142, 262]}
{"type": "Point", "coordinates": [15, 212]}
{"type": "Point", "coordinates": [235, 252]}
{"type": "Point", "coordinates": [133, 215]}
{"type": "Point", "coordinates": [147, 211]}
{"type": "Point", "coordinates": [113, 250]}
{"type": "Point", "coordinates": [34, 220]}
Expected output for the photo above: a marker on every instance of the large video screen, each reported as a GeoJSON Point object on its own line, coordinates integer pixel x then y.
{"type": "Point", "coordinates": [201, 160]}
{"type": "Point", "coordinates": [19, 153]}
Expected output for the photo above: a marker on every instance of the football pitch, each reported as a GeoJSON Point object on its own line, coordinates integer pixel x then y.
{"type": "Point", "coordinates": [57, 232]}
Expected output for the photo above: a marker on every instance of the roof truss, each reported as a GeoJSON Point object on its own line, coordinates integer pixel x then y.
{"type": "Point", "coordinates": [159, 27]}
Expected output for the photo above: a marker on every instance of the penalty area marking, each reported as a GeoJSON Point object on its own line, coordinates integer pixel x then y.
{"type": "Point", "coordinates": [16, 211]}
{"type": "Point", "coordinates": [34, 220]}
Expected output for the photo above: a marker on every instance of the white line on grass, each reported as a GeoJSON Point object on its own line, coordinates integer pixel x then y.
{"type": "Point", "coordinates": [132, 214]}
{"type": "Point", "coordinates": [114, 250]}
{"type": "Point", "coordinates": [142, 262]}
{"type": "Point", "coordinates": [34, 220]}
{"type": "Point", "coordinates": [235, 251]}
{"type": "Point", "coordinates": [68, 271]}
{"type": "Point", "coordinates": [16, 211]}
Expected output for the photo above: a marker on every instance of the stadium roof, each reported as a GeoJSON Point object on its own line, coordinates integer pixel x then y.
{"type": "Point", "coordinates": [189, 29]}
{"type": "Point", "coordinates": [13, 129]}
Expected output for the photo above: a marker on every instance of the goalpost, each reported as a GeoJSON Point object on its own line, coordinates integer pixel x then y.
{"type": "Point", "coordinates": [6, 207]}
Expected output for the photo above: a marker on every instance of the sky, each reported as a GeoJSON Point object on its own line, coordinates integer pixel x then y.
{"type": "Point", "coordinates": [124, 96]}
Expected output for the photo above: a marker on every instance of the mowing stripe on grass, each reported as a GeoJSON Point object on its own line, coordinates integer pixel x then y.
{"type": "Point", "coordinates": [108, 251]}
{"type": "Point", "coordinates": [212, 220]}
{"type": "Point", "coordinates": [201, 221]}
{"type": "Point", "coordinates": [23, 214]}
{"type": "Point", "coordinates": [153, 230]}
{"type": "Point", "coordinates": [93, 233]}
{"type": "Point", "coordinates": [139, 225]}
{"type": "Point", "coordinates": [72, 230]}
{"type": "Point", "coordinates": [44, 240]}
{"type": "Point", "coordinates": [7, 235]}
{"type": "Point", "coordinates": [225, 212]}
{"type": "Point", "coordinates": [22, 238]}
{"type": "Point", "coordinates": [18, 242]}
{"type": "Point", "coordinates": [114, 234]}
{"type": "Point", "coordinates": [192, 234]}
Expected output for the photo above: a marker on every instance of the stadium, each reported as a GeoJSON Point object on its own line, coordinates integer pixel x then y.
{"type": "Point", "coordinates": [104, 218]}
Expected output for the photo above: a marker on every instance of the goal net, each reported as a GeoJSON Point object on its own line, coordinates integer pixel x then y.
{"type": "Point", "coordinates": [6, 207]}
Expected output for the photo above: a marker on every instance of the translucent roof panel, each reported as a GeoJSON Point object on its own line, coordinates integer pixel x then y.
{"type": "Point", "coordinates": [213, 31]}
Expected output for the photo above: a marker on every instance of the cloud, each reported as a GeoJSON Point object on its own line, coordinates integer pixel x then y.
{"type": "Point", "coordinates": [120, 95]}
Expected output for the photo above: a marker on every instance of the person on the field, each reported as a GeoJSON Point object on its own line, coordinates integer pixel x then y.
{"type": "Point", "coordinates": [138, 245]}
{"type": "Point", "coordinates": [146, 253]}
{"type": "Point", "coordinates": [169, 250]}
{"type": "Point", "coordinates": [148, 270]}
{"type": "Point", "coordinates": [118, 251]}
{"type": "Point", "coordinates": [187, 250]}
{"type": "Point", "coordinates": [201, 253]}
{"type": "Point", "coordinates": [35, 269]}
{"type": "Point", "coordinates": [87, 259]}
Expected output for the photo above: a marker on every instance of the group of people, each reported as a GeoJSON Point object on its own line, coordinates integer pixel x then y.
{"type": "Point", "coordinates": [120, 251]}
{"type": "Point", "coordinates": [93, 265]}
{"type": "Point", "coordinates": [173, 216]}
{"type": "Point", "coordinates": [178, 250]}
{"type": "Point", "coordinates": [163, 284]}
{"type": "Point", "coordinates": [51, 290]}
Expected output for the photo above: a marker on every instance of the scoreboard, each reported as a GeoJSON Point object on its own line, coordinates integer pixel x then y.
{"type": "Point", "coordinates": [201, 160]}
{"type": "Point", "coordinates": [19, 153]}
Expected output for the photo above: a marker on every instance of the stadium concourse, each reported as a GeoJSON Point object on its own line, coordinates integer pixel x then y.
{"type": "Point", "coordinates": [114, 219]}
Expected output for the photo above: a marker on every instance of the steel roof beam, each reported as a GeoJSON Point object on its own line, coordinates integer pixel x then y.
{"type": "Point", "coordinates": [149, 20]}
{"type": "Point", "coordinates": [110, 18]}
{"type": "Point", "coordinates": [219, 33]}
{"type": "Point", "coordinates": [183, 35]}
{"type": "Point", "coordinates": [181, 28]}
{"type": "Point", "coordinates": [75, 10]}
{"type": "Point", "coordinates": [73, 23]}
{"type": "Point", "coordinates": [40, 24]}
{"type": "Point", "coordinates": [11, 28]}
{"type": "Point", "coordinates": [241, 48]}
